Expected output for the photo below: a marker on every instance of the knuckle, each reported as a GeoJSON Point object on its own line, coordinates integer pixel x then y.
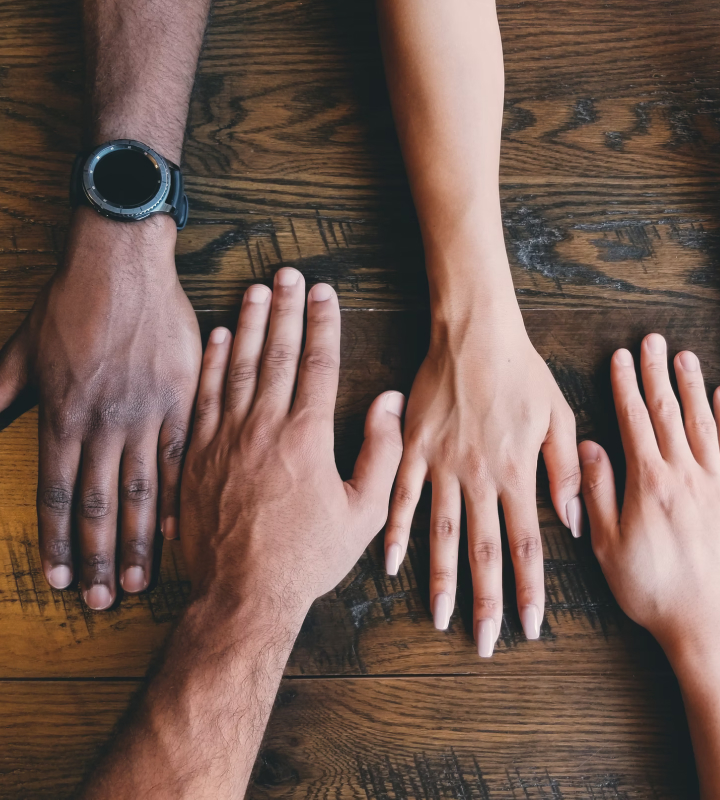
{"type": "Point", "coordinates": [207, 407]}
{"type": "Point", "coordinates": [527, 548]}
{"type": "Point", "coordinates": [137, 546]}
{"type": "Point", "coordinates": [486, 606]}
{"type": "Point", "coordinates": [485, 551]}
{"type": "Point", "coordinates": [395, 531]}
{"type": "Point", "coordinates": [99, 562]}
{"type": "Point", "coordinates": [403, 497]}
{"type": "Point", "coordinates": [172, 450]}
{"type": "Point", "coordinates": [56, 498]}
{"type": "Point", "coordinates": [634, 411]}
{"type": "Point", "coordinates": [138, 490]}
{"type": "Point", "coordinates": [94, 504]}
{"type": "Point", "coordinates": [279, 354]}
{"type": "Point", "coordinates": [443, 575]}
{"type": "Point", "coordinates": [570, 478]}
{"type": "Point", "coordinates": [445, 528]}
{"type": "Point", "coordinates": [57, 547]}
{"type": "Point", "coordinates": [242, 374]}
{"type": "Point", "coordinates": [703, 425]}
{"type": "Point", "coordinates": [665, 406]}
{"type": "Point", "coordinates": [319, 362]}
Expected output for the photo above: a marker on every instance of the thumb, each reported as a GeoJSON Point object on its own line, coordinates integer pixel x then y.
{"type": "Point", "coordinates": [379, 457]}
{"type": "Point", "coordinates": [561, 461]}
{"type": "Point", "coordinates": [598, 488]}
{"type": "Point", "coordinates": [13, 367]}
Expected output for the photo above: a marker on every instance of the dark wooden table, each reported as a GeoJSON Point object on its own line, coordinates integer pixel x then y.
{"type": "Point", "coordinates": [611, 160]}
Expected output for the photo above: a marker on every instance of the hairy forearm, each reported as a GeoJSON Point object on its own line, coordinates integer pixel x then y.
{"type": "Point", "coordinates": [444, 67]}
{"type": "Point", "coordinates": [142, 56]}
{"type": "Point", "coordinates": [197, 730]}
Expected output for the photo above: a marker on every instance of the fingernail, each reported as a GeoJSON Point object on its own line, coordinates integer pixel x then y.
{"type": "Point", "coordinates": [98, 597]}
{"type": "Point", "coordinates": [689, 361]}
{"type": "Point", "coordinates": [486, 638]}
{"type": "Point", "coordinates": [60, 577]}
{"type": "Point", "coordinates": [257, 294]}
{"type": "Point", "coordinates": [530, 618]}
{"type": "Point", "coordinates": [287, 276]}
{"type": "Point", "coordinates": [575, 516]}
{"type": "Point", "coordinates": [321, 291]}
{"type": "Point", "coordinates": [623, 357]}
{"type": "Point", "coordinates": [442, 610]}
{"type": "Point", "coordinates": [588, 453]}
{"type": "Point", "coordinates": [133, 579]}
{"type": "Point", "coordinates": [218, 336]}
{"type": "Point", "coordinates": [168, 528]}
{"type": "Point", "coordinates": [394, 403]}
{"type": "Point", "coordinates": [392, 559]}
{"type": "Point", "coordinates": [656, 344]}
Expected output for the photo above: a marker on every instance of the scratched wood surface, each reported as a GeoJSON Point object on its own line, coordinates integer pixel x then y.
{"type": "Point", "coordinates": [610, 172]}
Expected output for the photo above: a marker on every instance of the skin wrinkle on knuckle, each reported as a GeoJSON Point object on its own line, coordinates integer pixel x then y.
{"type": "Point", "coordinates": [445, 528]}
{"type": "Point", "coordinates": [94, 504]}
{"type": "Point", "coordinates": [56, 498]}
{"type": "Point", "coordinates": [704, 426]}
{"type": "Point", "coordinates": [99, 562]}
{"type": "Point", "coordinates": [402, 497]}
{"type": "Point", "coordinates": [242, 374]}
{"type": "Point", "coordinates": [138, 490]}
{"type": "Point", "coordinates": [443, 575]}
{"type": "Point", "coordinates": [485, 552]}
{"type": "Point", "coordinates": [318, 361]}
{"type": "Point", "coordinates": [665, 407]}
{"type": "Point", "coordinates": [57, 547]}
{"type": "Point", "coordinates": [527, 548]}
{"type": "Point", "coordinates": [484, 605]}
{"type": "Point", "coordinates": [137, 546]}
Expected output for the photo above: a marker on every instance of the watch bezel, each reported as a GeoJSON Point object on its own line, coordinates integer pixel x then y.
{"type": "Point", "coordinates": [112, 210]}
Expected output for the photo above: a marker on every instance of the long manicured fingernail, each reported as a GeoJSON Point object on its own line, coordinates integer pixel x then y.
{"type": "Point", "coordinates": [575, 516]}
{"type": "Point", "coordinates": [133, 579]}
{"type": "Point", "coordinates": [257, 294]}
{"type": "Point", "coordinates": [530, 618]}
{"type": "Point", "coordinates": [486, 638]}
{"type": "Point", "coordinates": [320, 292]}
{"type": "Point", "coordinates": [394, 403]}
{"type": "Point", "coordinates": [218, 336]}
{"type": "Point", "coordinates": [287, 276]}
{"type": "Point", "coordinates": [393, 557]}
{"type": "Point", "coordinates": [656, 344]}
{"type": "Point", "coordinates": [689, 361]}
{"type": "Point", "coordinates": [624, 357]}
{"type": "Point", "coordinates": [169, 528]}
{"type": "Point", "coordinates": [98, 597]}
{"type": "Point", "coordinates": [442, 610]}
{"type": "Point", "coordinates": [60, 577]}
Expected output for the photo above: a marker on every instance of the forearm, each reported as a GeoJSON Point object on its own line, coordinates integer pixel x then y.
{"type": "Point", "coordinates": [699, 677]}
{"type": "Point", "coordinates": [142, 56]}
{"type": "Point", "coordinates": [444, 68]}
{"type": "Point", "coordinates": [198, 729]}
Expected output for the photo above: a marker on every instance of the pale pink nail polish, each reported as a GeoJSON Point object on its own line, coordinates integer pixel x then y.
{"type": "Point", "coordinates": [257, 294]}
{"type": "Point", "coordinates": [442, 610]}
{"type": "Point", "coordinates": [486, 637]}
{"type": "Point", "coordinates": [169, 528]}
{"type": "Point", "coordinates": [575, 516]}
{"type": "Point", "coordinates": [60, 577]}
{"type": "Point", "coordinates": [133, 579]}
{"type": "Point", "coordinates": [321, 292]}
{"type": "Point", "coordinates": [218, 336]}
{"type": "Point", "coordinates": [530, 618]}
{"type": "Point", "coordinates": [287, 276]}
{"type": "Point", "coordinates": [98, 597]}
{"type": "Point", "coordinates": [393, 556]}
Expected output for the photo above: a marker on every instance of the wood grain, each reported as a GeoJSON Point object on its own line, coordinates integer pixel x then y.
{"type": "Point", "coordinates": [563, 737]}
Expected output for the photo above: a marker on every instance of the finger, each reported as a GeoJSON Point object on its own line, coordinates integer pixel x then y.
{"type": "Point", "coordinates": [138, 511]}
{"type": "Point", "coordinates": [662, 404]}
{"type": "Point", "coordinates": [523, 530]}
{"type": "Point", "coordinates": [320, 365]}
{"type": "Point", "coordinates": [172, 445]}
{"type": "Point", "coordinates": [636, 430]}
{"type": "Point", "coordinates": [405, 497]}
{"type": "Point", "coordinates": [598, 488]}
{"type": "Point", "coordinates": [97, 518]}
{"type": "Point", "coordinates": [211, 389]}
{"type": "Point", "coordinates": [13, 367]}
{"type": "Point", "coordinates": [377, 462]}
{"type": "Point", "coordinates": [700, 427]}
{"type": "Point", "coordinates": [444, 542]}
{"type": "Point", "coordinates": [58, 464]}
{"type": "Point", "coordinates": [561, 461]}
{"type": "Point", "coordinates": [485, 556]}
{"type": "Point", "coordinates": [245, 361]}
{"type": "Point", "coordinates": [280, 357]}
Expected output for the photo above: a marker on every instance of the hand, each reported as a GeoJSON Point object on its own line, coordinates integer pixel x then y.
{"type": "Point", "coordinates": [265, 517]}
{"type": "Point", "coordinates": [113, 348]}
{"type": "Point", "coordinates": [482, 406]}
{"type": "Point", "coordinates": [661, 555]}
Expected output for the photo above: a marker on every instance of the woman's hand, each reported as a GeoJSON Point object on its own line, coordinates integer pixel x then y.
{"type": "Point", "coordinates": [482, 407]}
{"type": "Point", "coordinates": [661, 554]}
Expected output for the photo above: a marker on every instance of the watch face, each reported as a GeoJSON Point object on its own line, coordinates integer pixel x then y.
{"type": "Point", "coordinates": [125, 179]}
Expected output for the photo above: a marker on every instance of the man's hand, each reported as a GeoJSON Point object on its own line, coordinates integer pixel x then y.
{"type": "Point", "coordinates": [113, 348]}
{"type": "Point", "coordinates": [661, 555]}
{"type": "Point", "coordinates": [267, 525]}
{"type": "Point", "coordinates": [482, 407]}
{"type": "Point", "coordinates": [264, 512]}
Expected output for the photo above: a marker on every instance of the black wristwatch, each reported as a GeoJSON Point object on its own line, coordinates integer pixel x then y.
{"type": "Point", "coordinates": [127, 180]}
